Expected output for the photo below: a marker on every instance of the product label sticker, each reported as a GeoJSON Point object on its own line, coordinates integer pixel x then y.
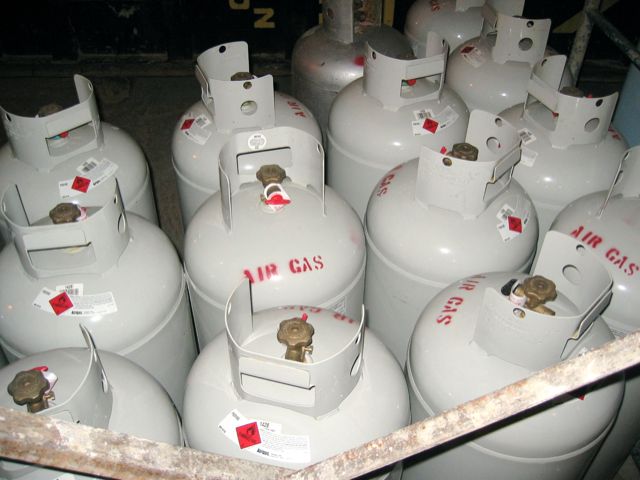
{"type": "Point", "coordinates": [509, 224]}
{"type": "Point", "coordinates": [195, 128]}
{"type": "Point", "coordinates": [265, 438]}
{"type": "Point", "coordinates": [526, 136]}
{"type": "Point", "coordinates": [62, 303]}
{"type": "Point", "coordinates": [71, 288]}
{"type": "Point", "coordinates": [429, 123]}
{"type": "Point", "coordinates": [528, 157]}
{"type": "Point", "coordinates": [66, 476]}
{"type": "Point", "coordinates": [257, 141]}
{"type": "Point", "coordinates": [473, 55]}
{"type": "Point", "coordinates": [91, 173]}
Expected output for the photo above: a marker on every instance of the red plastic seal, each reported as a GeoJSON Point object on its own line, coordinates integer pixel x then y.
{"type": "Point", "coordinates": [81, 184]}
{"type": "Point", "coordinates": [515, 224]}
{"type": "Point", "coordinates": [411, 82]}
{"type": "Point", "coordinates": [61, 303]}
{"type": "Point", "coordinates": [277, 199]}
{"type": "Point", "coordinates": [186, 125]}
{"type": "Point", "coordinates": [359, 60]}
{"type": "Point", "coordinates": [248, 435]}
{"type": "Point", "coordinates": [430, 125]}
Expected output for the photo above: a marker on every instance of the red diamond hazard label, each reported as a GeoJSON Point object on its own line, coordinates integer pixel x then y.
{"type": "Point", "coordinates": [248, 435]}
{"type": "Point", "coordinates": [81, 184]}
{"type": "Point", "coordinates": [515, 224]}
{"type": "Point", "coordinates": [186, 125]}
{"type": "Point", "coordinates": [61, 303]}
{"type": "Point", "coordinates": [430, 125]}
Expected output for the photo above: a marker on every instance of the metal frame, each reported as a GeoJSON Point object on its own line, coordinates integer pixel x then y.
{"type": "Point", "coordinates": [47, 441]}
{"type": "Point", "coordinates": [592, 16]}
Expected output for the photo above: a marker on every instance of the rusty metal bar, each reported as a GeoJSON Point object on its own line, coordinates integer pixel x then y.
{"type": "Point", "coordinates": [581, 40]}
{"type": "Point", "coordinates": [55, 443]}
{"type": "Point", "coordinates": [476, 414]}
{"type": "Point", "coordinates": [615, 35]}
{"type": "Point", "coordinates": [64, 445]}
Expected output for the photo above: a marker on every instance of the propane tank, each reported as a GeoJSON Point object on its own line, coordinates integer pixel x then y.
{"type": "Point", "coordinates": [80, 385]}
{"type": "Point", "coordinates": [67, 155]}
{"type": "Point", "coordinates": [490, 72]}
{"type": "Point", "coordinates": [424, 216]}
{"type": "Point", "coordinates": [291, 386]}
{"type": "Point", "coordinates": [384, 118]}
{"type": "Point", "coordinates": [457, 21]}
{"type": "Point", "coordinates": [243, 102]}
{"type": "Point", "coordinates": [608, 224]}
{"type": "Point", "coordinates": [568, 146]}
{"type": "Point", "coordinates": [490, 330]}
{"type": "Point", "coordinates": [90, 265]}
{"type": "Point", "coordinates": [331, 55]}
{"type": "Point", "coordinates": [294, 238]}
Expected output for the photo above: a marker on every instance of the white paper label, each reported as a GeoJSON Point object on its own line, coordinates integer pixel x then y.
{"type": "Point", "coordinates": [91, 173]}
{"type": "Point", "coordinates": [257, 141]}
{"type": "Point", "coordinates": [428, 123]}
{"type": "Point", "coordinates": [66, 476]}
{"type": "Point", "coordinates": [526, 136]}
{"type": "Point", "coordinates": [509, 225]}
{"type": "Point", "coordinates": [62, 303]}
{"type": "Point", "coordinates": [195, 128]}
{"type": "Point", "coordinates": [528, 157]}
{"type": "Point", "coordinates": [71, 288]}
{"type": "Point", "coordinates": [265, 439]}
{"type": "Point", "coordinates": [473, 55]}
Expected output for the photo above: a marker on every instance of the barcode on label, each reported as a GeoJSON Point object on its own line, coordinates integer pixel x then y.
{"type": "Point", "coordinates": [88, 166]}
{"type": "Point", "coordinates": [201, 121]}
{"type": "Point", "coordinates": [526, 136]}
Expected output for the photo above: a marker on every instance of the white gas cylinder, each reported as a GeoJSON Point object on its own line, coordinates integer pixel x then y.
{"type": "Point", "coordinates": [82, 385]}
{"type": "Point", "coordinates": [67, 155]}
{"type": "Point", "coordinates": [608, 224]}
{"type": "Point", "coordinates": [328, 57]}
{"type": "Point", "coordinates": [116, 273]}
{"type": "Point", "coordinates": [232, 100]}
{"type": "Point", "coordinates": [490, 330]}
{"type": "Point", "coordinates": [439, 218]}
{"type": "Point", "coordinates": [457, 21]}
{"type": "Point", "coordinates": [491, 72]}
{"type": "Point", "coordinates": [568, 146]}
{"type": "Point", "coordinates": [294, 238]}
{"type": "Point", "coordinates": [291, 386]}
{"type": "Point", "coordinates": [383, 119]}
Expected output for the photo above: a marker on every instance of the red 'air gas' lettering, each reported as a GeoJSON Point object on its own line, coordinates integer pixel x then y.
{"type": "Point", "coordinates": [296, 106]}
{"type": "Point", "coordinates": [304, 264]}
{"type": "Point", "coordinates": [589, 238]}
{"type": "Point", "coordinates": [262, 273]}
{"type": "Point", "coordinates": [450, 307]}
{"type": "Point", "coordinates": [621, 261]}
{"type": "Point", "coordinates": [471, 283]}
{"type": "Point", "coordinates": [383, 186]}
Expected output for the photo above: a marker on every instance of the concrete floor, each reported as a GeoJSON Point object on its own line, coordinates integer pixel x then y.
{"type": "Point", "coordinates": [148, 107]}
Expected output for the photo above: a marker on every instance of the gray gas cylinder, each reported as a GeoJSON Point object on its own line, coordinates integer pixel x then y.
{"type": "Point", "coordinates": [568, 146]}
{"type": "Point", "coordinates": [294, 238]}
{"type": "Point", "coordinates": [110, 270]}
{"type": "Point", "coordinates": [331, 55]}
{"type": "Point", "coordinates": [68, 155]}
{"type": "Point", "coordinates": [489, 330]}
{"type": "Point", "coordinates": [608, 224]}
{"type": "Point", "coordinates": [384, 118]}
{"type": "Point", "coordinates": [457, 21]}
{"type": "Point", "coordinates": [82, 385]}
{"type": "Point", "coordinates": [441, 217]}
{"type": "Point", "coordinates": [232, 100]}
{"type": "Point", "coordinates": [292, 385]}
{"type": "Point", "coordinates": [491, 72]}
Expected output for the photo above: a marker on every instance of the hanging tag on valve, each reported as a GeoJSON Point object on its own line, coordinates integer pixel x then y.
{"type": "Point", "coordinates": [273, 195]}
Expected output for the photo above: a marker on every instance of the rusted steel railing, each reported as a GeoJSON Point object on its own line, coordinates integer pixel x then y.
{"type": "Point", "coordinates": [46, 441]}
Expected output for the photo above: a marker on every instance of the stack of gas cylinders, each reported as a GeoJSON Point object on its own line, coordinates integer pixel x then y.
{"type": "Point", "coordinates": [429, 218]}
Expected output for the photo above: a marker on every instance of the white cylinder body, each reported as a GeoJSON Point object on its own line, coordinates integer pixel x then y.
{"type": "Point", "coordinates": [552, 443]}
{"type": "Point", "coordinates": [361, 416]}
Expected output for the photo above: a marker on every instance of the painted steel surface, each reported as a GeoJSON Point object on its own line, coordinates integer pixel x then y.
{"type": "Point", "coordinates": [470, 340]}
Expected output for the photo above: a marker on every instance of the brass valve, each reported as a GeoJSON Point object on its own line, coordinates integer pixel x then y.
{"type": "Point", "coordinates": [572, 91]}
{"type": "Point", "coordinates": [49, 109]}
{"type": "Point", "coordinates": [296, 334]}
{"type": "Point", "coordinates": [464, 151]}
{"type": "Point", "coordinates": [29, 387]}
{"type": "Point", "coordinates": [242, 76]}
{"type": "Point", "coordinates": [65, 213]}
{"type": "Point", "coordinates": [537, 290]}
{"type": "Point", "coordinates": [268, 174]}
